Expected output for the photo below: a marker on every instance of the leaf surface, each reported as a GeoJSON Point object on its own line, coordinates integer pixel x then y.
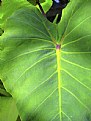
{"type": "Point", "coordinates": [8, 109]}
{"type": "Point", "coordinates": [47, 67]}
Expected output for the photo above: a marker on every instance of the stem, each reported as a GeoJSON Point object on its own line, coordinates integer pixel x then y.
{"type": "Point", "coordinates": [37, 1]}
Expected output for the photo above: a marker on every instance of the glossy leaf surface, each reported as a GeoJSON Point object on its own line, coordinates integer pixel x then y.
{"type": "Point", "coordinates": [47, 67]}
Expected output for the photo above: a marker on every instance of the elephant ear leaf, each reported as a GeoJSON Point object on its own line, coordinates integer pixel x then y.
{"type": "Point", "coordinates": [47, 67]}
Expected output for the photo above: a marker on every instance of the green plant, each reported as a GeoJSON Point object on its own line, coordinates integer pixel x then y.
{"type": "Point", "coordinates": [47, 67]}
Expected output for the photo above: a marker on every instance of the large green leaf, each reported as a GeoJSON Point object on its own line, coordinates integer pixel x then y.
{"type": "Point", "coordinates": [8, 110]}
{"type": "Point", "coordinates": [8, 7]}
{"type": "Point", "coordinates": [47, 67]}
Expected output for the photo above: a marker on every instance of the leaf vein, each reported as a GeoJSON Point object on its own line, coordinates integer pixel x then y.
{"type": "Point", "coordinates": [75, 64]}
{"type": "Point", "coordinates": [77, 26]}
{"type": "Point", "coordinates": [76, 52]}
{"type": "Point", "coordinates": [33, 27]}
{"type": "Point", "coordinates": [34, 38]}
{"type": "Point", "coordinates": [76, 98]}
{"type": "Point", "coordinates": [76, 40]}
{"type": "Point", "coordinates": [76, 79]}
{"type": "Point", "coordinates": [45, 100]}
{"type": "Point", "coordinates": [34, 65]}
{"type": "Point", "coordinates": [67, 116]}
{"type": "Point", "coordinates": [54, 117]}
{"type": "Point", "coordinates": [29, 52]}
{"type": "Point", "coordinates": [42, 83]}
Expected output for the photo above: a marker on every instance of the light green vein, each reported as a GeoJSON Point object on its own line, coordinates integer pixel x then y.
{"type": "Point", "coordinates": [37, 39]}
{"type": "Point", "coordinates": [52, 38]}
{"type": "Point", "coordinates": [27, 12]}
{"type": "Point", "coordinates": [64, 114]}
{"type": "Point", "coordinates": [75, 64]}
{"type": "Point", "coordinates": [72, 14]}
{"type": "Point", "coordinates": [77, 26]}
{"type": "Point", "coordinates": [75, 40]}
{"type": "Point", "coordinates": [76, 52]}
{"type": "Point", "coordinates": [55, 117]}
{"type": "Point", "coordinates": [42, 24]}
{"type": "Point", "coordinates": [47, 56]}
{"type": "Point", "coordinates": [37, 50]}
{"type": "Point", "coordinates": [41, 84]}
{"type": "Point", "coordinates": [39, 20]}
{"type": "Point", "coordinates": [67, 116]}
{"type": "Point", "coordinates": [76, 79]}
{"type": "Point", "coordinates": [29, 52]}
{"type": "Point", "coordinates": [77, 99]}
{"type": "Point", "coordinates": [32, 26]}
{"type": "Point", "coordinates": [50, 34]}
{"type": "Point", "coordinates": [45, 100]}
{"type": "Point", "coordinates": [34, 65]}
{"type": "Point", "coordinates": [52, 53]}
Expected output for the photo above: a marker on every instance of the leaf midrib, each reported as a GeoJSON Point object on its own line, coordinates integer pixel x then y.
{"type": "Point", "coordinates": [58, 52]}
